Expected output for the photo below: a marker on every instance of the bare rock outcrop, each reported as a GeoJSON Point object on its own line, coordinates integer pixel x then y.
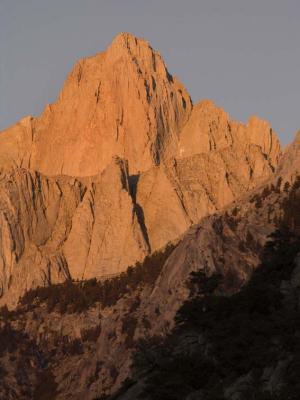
{"type": "Point", "coordinates": [69, 211]}
{"type": "Point", "coordinates": [93, 349]}
{"type": "Point", "coordinates": [119, 102]}
{"type": "Point", "coordinates": [119, 166]}
{"type": "Point", "coordinates": [36, 214]}
{"type": "Point", "coordinates": [289, 166]}
{"type": "Point", "coordinates": [218, 160]}
{"type": "Point", "coordinates": [106, 234]}
{"type": "Point", "coordinates": [58, 228]}
{"type": "Point", "coordinates": [16, 144]}
{"type": "Point", "coordinates": [209, 128]}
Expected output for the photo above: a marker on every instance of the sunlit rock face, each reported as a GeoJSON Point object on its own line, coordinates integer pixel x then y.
{"type": "Point", "coordinates": [121, 164]}
{"type": "Point", "coordinates": [119, 102]}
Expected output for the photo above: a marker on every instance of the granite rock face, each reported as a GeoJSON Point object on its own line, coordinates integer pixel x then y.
{"type": "Point", "coordinates": [217, 161]}
{"type": "Point", "coordinates": [119, 102]}
{"type": "Point", "coordinates": [121, 164]}
{"type": "Point", "coordinates": [106, 233]}
{"type": "Point", "coordinates": [36, 214]}
{"type": "Point", "coordinates": [210, 128]}
{"type": "Point", "coordinates": [89, 353]}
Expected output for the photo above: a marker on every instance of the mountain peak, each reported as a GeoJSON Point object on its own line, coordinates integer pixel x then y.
{"type": "Point", "coordinates": [120, 102]}
{"type": "Point", "coordinates": [130, 44]}
{"type": "Point", "coordinates": [138, 51]}
{"type": "Point", "coordinates": [128, 39]}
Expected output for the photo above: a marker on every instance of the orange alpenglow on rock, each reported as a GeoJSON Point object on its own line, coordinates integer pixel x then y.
{"type": "Point", "coordinates": [120, 102]}
{"type": "Point", "coordinates": [121, 164]}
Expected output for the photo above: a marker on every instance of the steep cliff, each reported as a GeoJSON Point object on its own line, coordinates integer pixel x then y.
{"type": "Point", "coordinates": [123, 170]}
{"type": "Point", "coordinates": [121, 164]}
{"type": "Point", "coordinates": [119, 102]}
{"type": "Point", "coordinates": [85, 334]}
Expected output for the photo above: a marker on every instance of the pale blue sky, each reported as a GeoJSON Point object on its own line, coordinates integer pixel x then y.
{"type": "Point", "coordinates": [243, 54]}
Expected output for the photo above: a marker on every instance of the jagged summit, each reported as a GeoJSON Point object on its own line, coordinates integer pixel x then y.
{"type": "Point", "coordinates": [126, 40]}
{"type": "Point", "coordinates": [210, 128]}
{"type": "Point", "coordinates": [124, 102]}
{"type": "Point", "coordinates": [118, 102]}
{"type": "Point", "coordinates": [123, 170]}
{"type": "Point", "coordinates": [87, 215]}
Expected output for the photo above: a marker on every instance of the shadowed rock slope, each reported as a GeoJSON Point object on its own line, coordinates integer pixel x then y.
{"type": "Point", "coordinates": [81, 337]}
